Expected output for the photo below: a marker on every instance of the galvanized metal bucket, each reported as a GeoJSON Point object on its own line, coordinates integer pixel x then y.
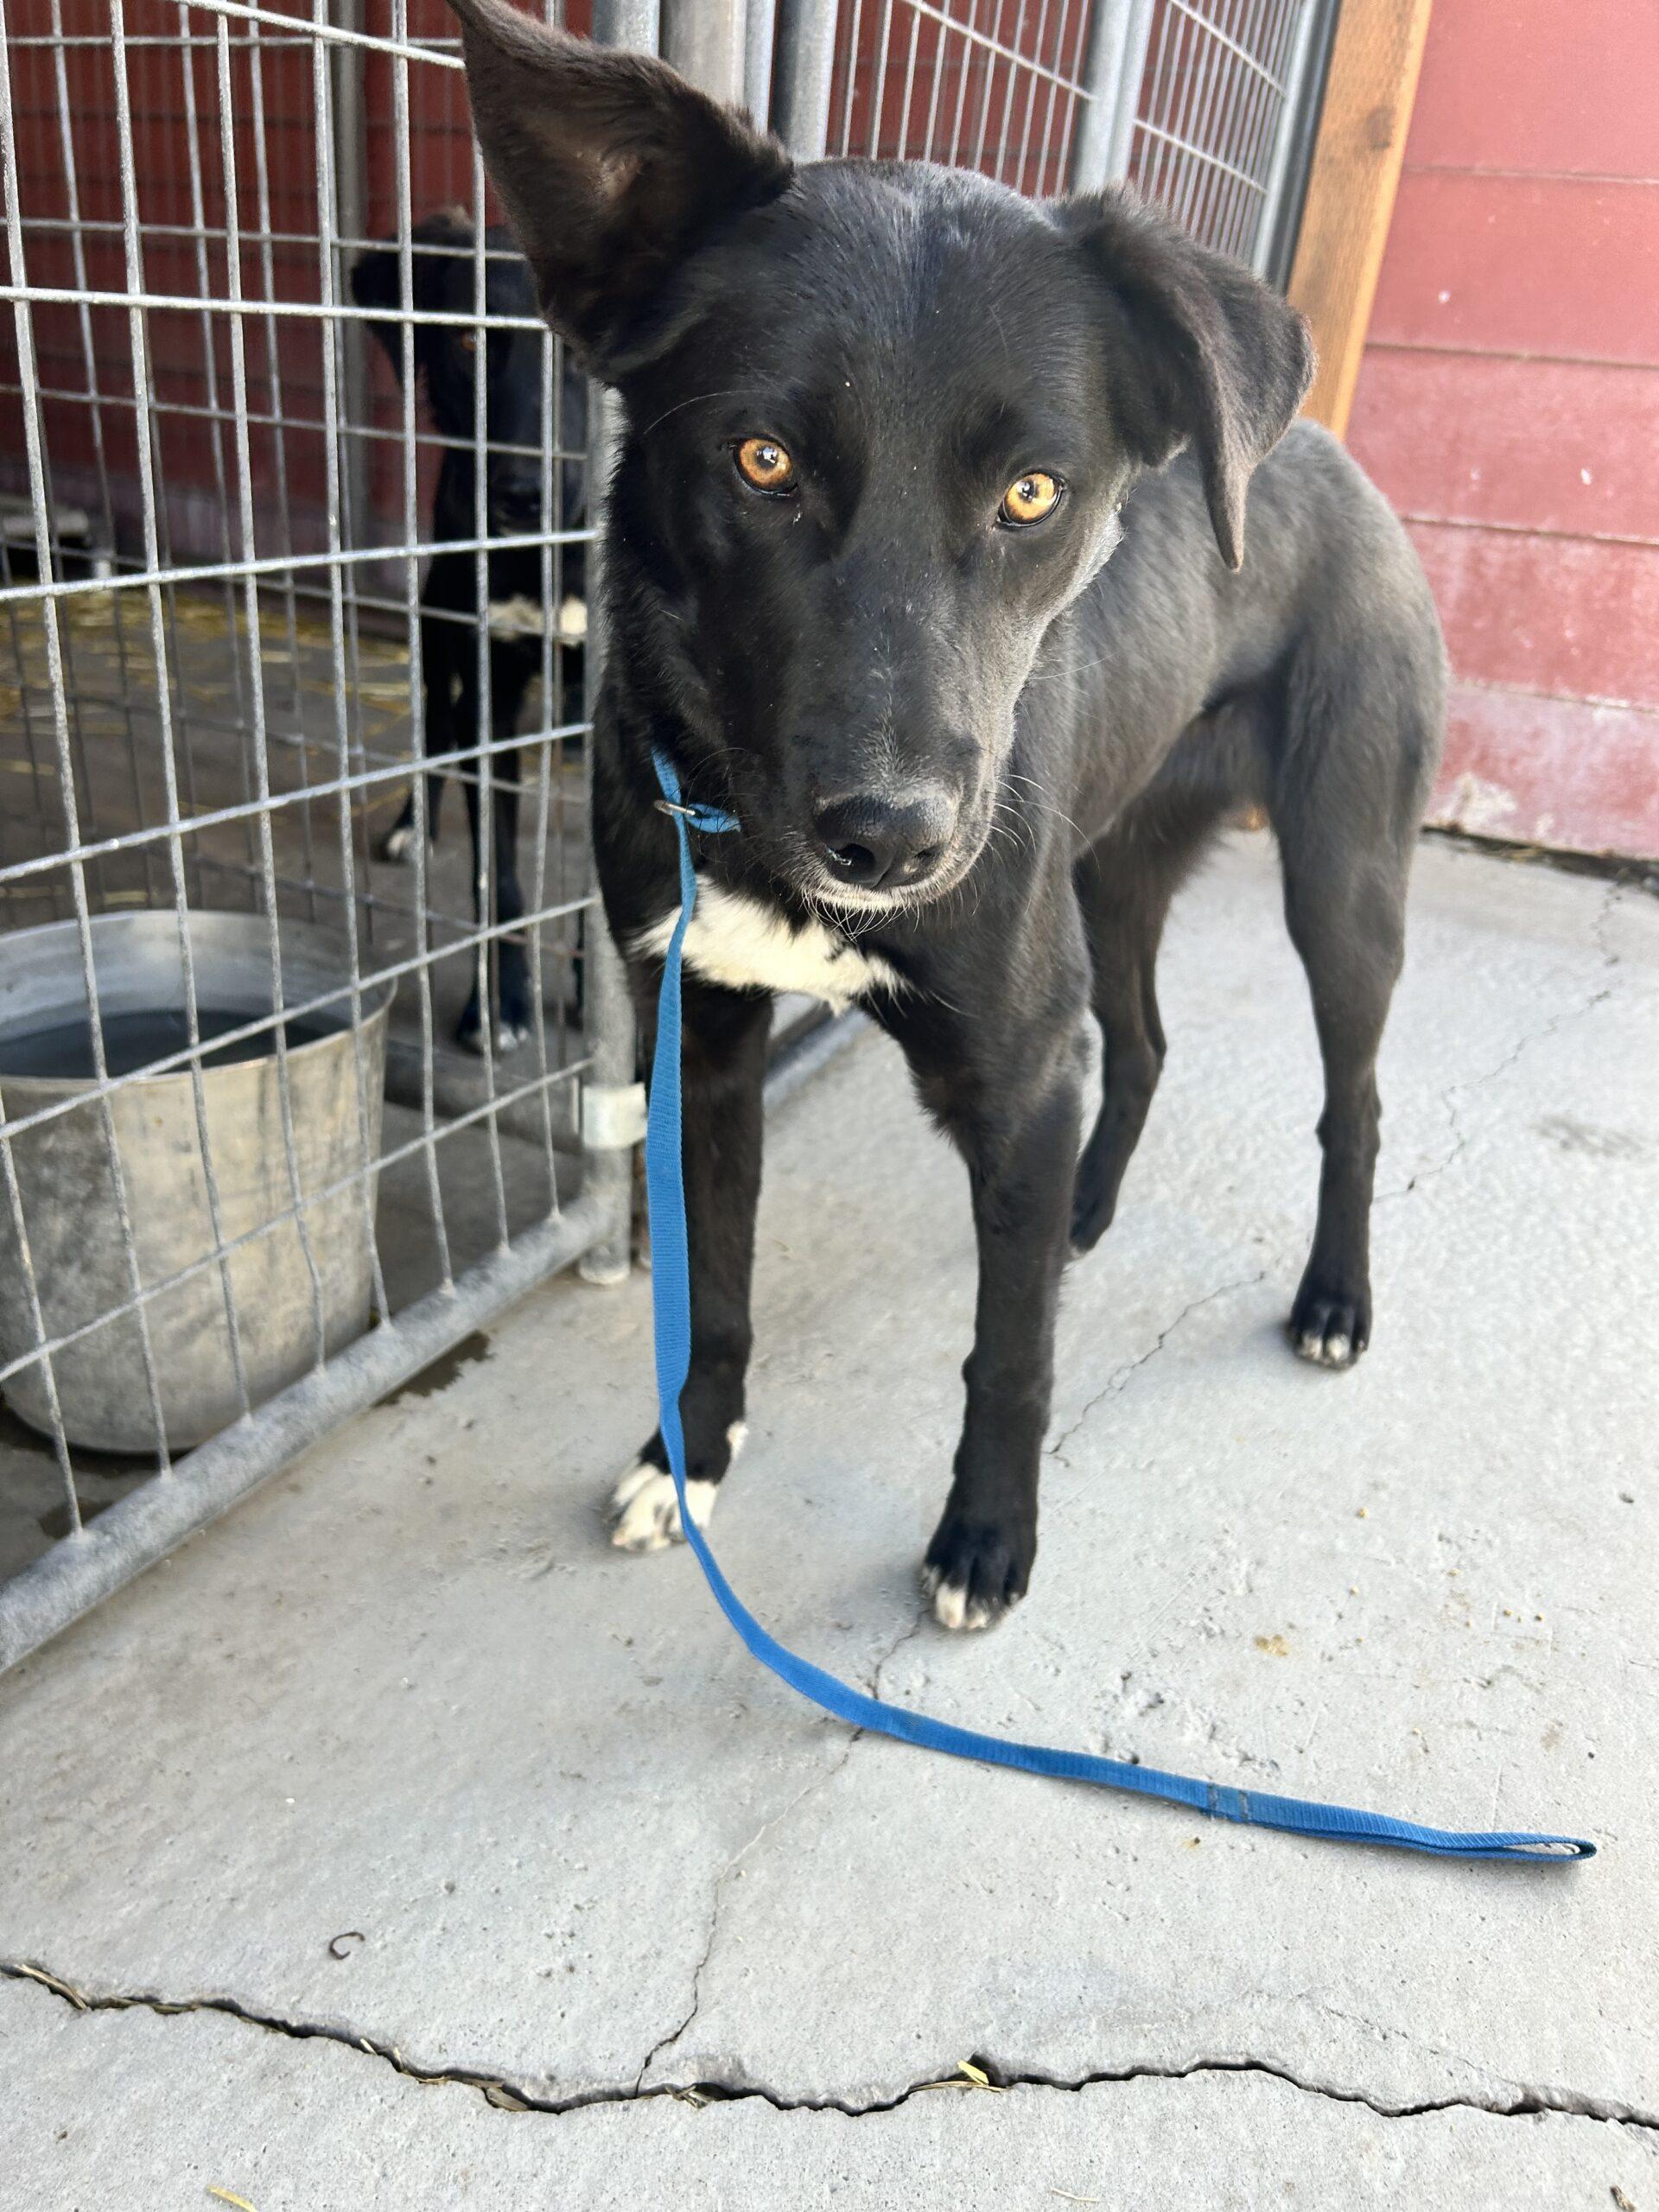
{"type": "Point", "coordinates": [292, 1258]}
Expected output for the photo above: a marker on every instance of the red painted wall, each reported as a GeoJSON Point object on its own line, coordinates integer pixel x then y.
{"type": "Point", "coordinates": [1508, 405]}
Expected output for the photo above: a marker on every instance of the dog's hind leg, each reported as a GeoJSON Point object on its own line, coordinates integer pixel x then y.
{"type": "Point", "coordinates": [1346, 819]}
{"type": "Point", "coordinates": [438, 735]}
{"type": "Point", "coordinates": [1349, 931]}
{"type": "Point", "coordinates": [1123, 907]}
{"type": "Point", "coordinates": [1124, 885]}
{"type": "Point", "coordinates": [506, 962]}
{"type": "Point", "coordinates": [505, 959]}
{"type": "Point", "coordinates": [399, 844]}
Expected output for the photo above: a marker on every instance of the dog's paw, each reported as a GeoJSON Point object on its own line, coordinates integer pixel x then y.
{"type": "Point", "coordinates": [399, 844]}
{"type": "Point", "coordinates": [1094, 1201]}
{"type": "Point", "coordinates": [1090, 1219]}
{"type": "Point", "coordinates": [974, 1574]}
{"type": "Point", "coordinates": [646, 1513]}
{"type": "Point", "coordinates": [1328, 1328]}
{"type": "Point", "coordinates": [509, 1035]}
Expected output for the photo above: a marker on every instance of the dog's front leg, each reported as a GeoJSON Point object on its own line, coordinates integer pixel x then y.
{"type": "Point", "coordinates": [1021, 1153]}
{"type": "Point", "coordinates": [723, 1065]}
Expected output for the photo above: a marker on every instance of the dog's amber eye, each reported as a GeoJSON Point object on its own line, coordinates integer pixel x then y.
{"type": "Point", "coordinates": [765, 465]}
{"type": "Point", "coordinates": [469, 342]}
{"type": "Point", "coordinates": [1030, 499]}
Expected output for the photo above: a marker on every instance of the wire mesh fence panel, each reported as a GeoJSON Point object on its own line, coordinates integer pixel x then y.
{"type": "Point", "coordinates": [991, 85]}
{"type": "Point", "coordinates": [1220, 101]}
{"type": "Point", "coordinates": [1212, 93]}
{"type": "Point", "coordinates": [293, 499]}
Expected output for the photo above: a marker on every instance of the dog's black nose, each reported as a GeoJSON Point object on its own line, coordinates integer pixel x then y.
{"type": "Point", "coordinates": [516, 503]}
{"type": "Point", "coordinates": [882, 844]}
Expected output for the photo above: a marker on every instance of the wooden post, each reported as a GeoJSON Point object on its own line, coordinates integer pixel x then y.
{"type": "Point", "coordinates": [1362, 142]}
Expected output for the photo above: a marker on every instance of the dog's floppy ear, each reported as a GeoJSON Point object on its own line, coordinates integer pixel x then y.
{"type": "Point", "coordinates": [1224, 361]}
{"type": "Point", "coordinates": [375, 281]}
{"type": "Point", "coordinates": [611, 167]}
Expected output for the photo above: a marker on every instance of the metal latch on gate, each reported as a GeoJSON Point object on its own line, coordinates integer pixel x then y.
{"type": "Point", "coordinates": [612, 1117]}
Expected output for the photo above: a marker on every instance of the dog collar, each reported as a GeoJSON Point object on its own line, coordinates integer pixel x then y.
{"type": "Point", "coordinates": [712, 821]}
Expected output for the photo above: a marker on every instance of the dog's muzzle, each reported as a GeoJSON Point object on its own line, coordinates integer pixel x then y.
{"type": "Point", "coordinates": [876, 841]}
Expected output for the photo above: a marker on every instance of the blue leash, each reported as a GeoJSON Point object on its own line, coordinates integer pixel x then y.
{"type": "Point", "coordinates": [672, 1301]}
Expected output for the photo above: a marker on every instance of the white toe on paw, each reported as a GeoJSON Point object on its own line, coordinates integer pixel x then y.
{"type": "Point", "coordinates": [399, 842]}
{"type": "Point", "coordinates": [952, 1607]}
{"type": "Point", "coordinates": [507, 1038]}
{"type": "Point", "coordinates": [646, 1513]}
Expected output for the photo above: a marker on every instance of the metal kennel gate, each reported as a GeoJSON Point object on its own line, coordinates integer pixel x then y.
{"type": "Point", "coordinates": [260, 1185]}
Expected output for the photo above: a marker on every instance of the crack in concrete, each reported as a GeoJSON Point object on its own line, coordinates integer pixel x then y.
{"type": "Point", "coordinates": [1526, 2103]}
{"type": "Point", "coordinates": [924, 1614]}
{"type": "Point", "coordinates": [1118, 1381]}
{"type": "Point", "coordinates": [667, 2041]}
{"type": "Point", "coordinates": [1449, 1097]}
{"type": "Point", "coordinates": [820, 1780]}
{"type": "Point", "coordinates": [1605, 906]}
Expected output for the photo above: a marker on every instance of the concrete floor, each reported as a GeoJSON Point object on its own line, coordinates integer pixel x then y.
{"type": "Point", "coordinates": [400, 1771]}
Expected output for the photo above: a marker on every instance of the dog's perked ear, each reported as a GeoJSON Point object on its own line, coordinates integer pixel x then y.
{"type": "Point", "coordinates": [376, 281]}
{"type": "Point", "coordinates": [1223, 362]}
{"type": "Point", "coordinates": [611, 167]}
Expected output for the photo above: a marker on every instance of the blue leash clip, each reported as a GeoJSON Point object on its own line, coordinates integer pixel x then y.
{"type": "Point", "coordinates": [670, 1291]}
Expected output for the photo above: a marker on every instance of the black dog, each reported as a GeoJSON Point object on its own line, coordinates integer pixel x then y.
{"type": "Point", "coordinates": [911, 564]}
{"type": "Point", "coordinates": [446, 360]}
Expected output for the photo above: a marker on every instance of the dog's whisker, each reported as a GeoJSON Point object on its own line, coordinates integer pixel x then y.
{"type": "Point", "coordinates": [1045, 804]}
{"type": "Point", "coordinates": [696, 399]}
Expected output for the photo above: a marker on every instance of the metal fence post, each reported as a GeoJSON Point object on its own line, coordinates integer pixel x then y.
{"type": "Point", "coordinates": [608, 1141]}
{"type": "Point", "coordinates": [607, 1007]}
{"type": "Point", "coordinates": [350, 187]}
{"type": "Point", "coordinates": [705, 40]}
{"type": "Point", "coordinates": [1292, 139]}
{"type": "Point", "coordinates": [1112, 71]}
{"type": "Point", "coordinates": [805, 75]}
{"type": "Point", "coordinates": [627, 23]}
{"type": "Point", "coordinates": [760, 37]}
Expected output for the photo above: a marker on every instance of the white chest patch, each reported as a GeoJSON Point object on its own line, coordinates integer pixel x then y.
{"type": "Point", "coordinates": [747, 945]}
{"type": "Point", "coordinates": [522, 618]}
